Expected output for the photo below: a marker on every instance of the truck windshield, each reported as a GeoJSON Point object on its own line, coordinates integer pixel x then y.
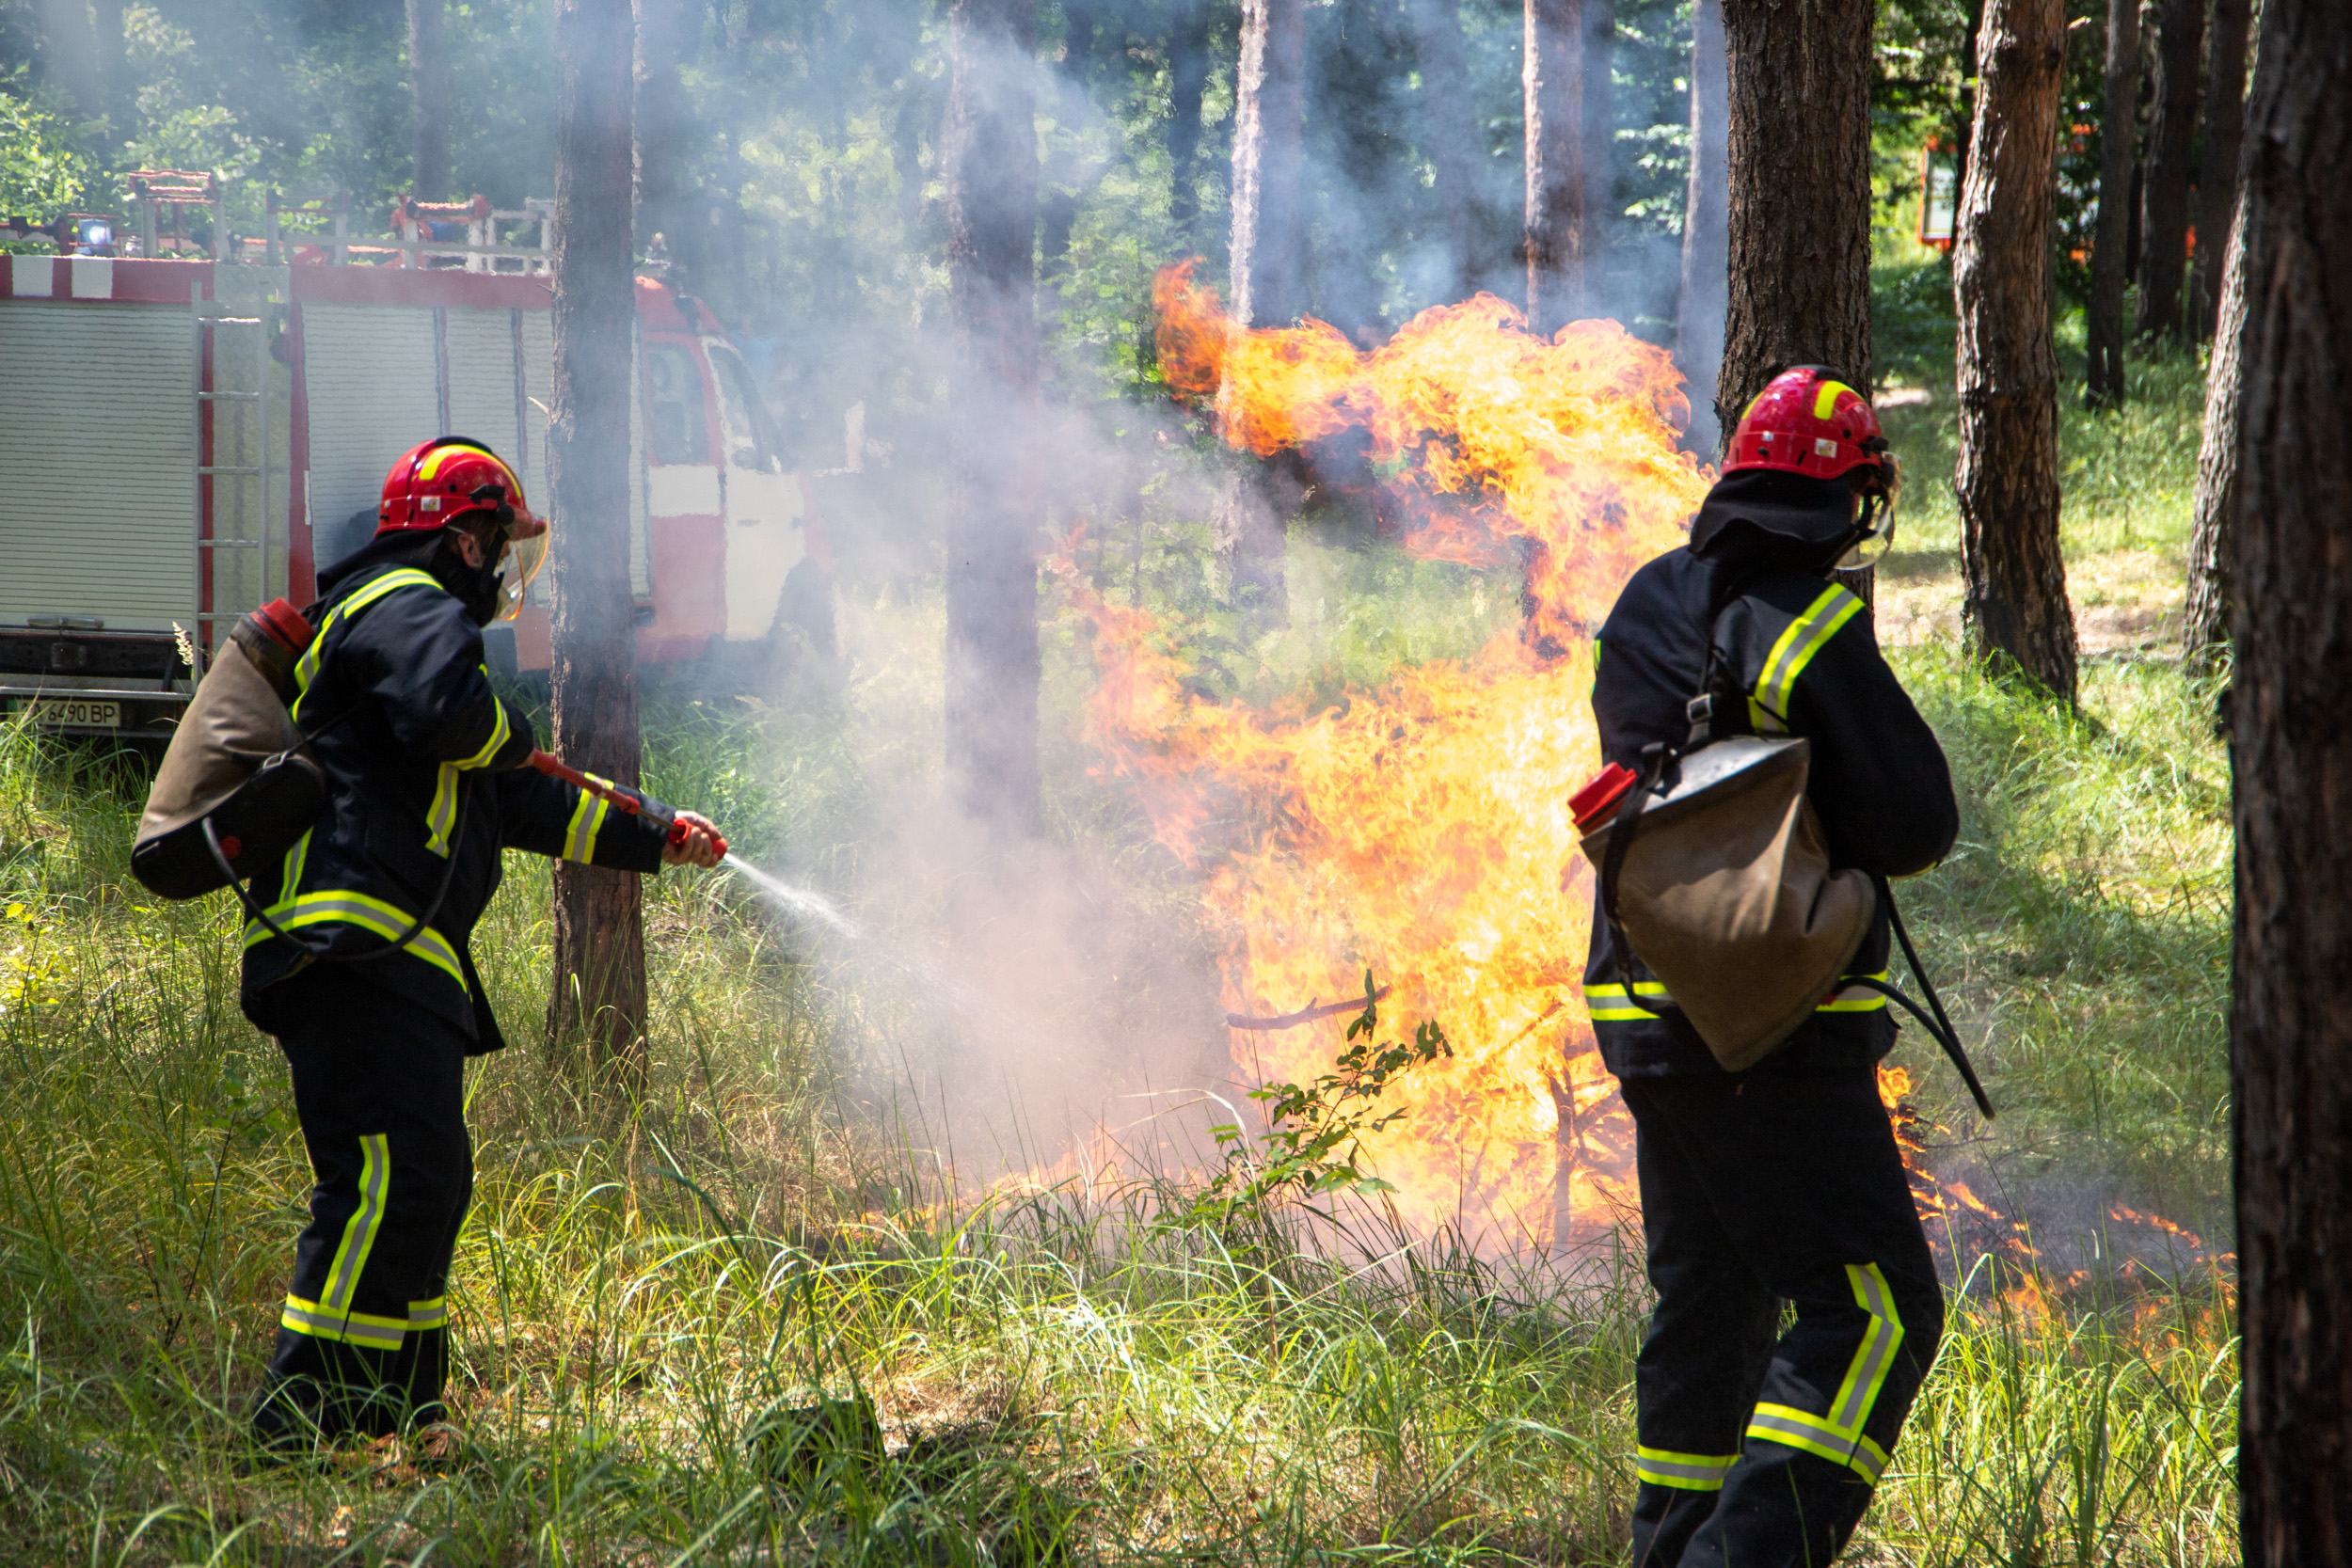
{"type": "Point", "coordinates": [751, 437]}
{"type": "Point", "coordinates": [674, 405]}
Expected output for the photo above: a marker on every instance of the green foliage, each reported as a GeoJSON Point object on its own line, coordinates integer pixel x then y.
{"type": "Point", "coordinates": [44, 168]}
{"type": "Point", "coordinates": [1314, 1142]}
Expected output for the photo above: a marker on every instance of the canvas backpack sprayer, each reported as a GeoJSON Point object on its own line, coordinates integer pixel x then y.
{"type": "Point", "coordinates": [1713, 872]}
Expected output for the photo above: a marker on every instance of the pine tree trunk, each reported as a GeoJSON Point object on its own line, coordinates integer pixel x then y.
{"type": "Point", "coordinates": [2290, 1015]}
{"type": "Point", "coordinates": [1449, 121]}
{"type": "Point", "coordinates": [1799, 211]}
{"type": "Point", "coordinates": [428, 99]}
{"type": "Point", "coordinates": [116, 90]}
{"type": "Point", "coordinates": [599, 923]}
{"type": "Point", "coordinates": [664, 31]}
{"type": "Point", "coordinates": [1187, 79]}
{"type": "Point", "coordinates": [2111, 241]}
{"type": "Point", "coordinates": [996, 504]}
{"type": "Point", "coordinates": [1699, 316]}
{"type": "Point", "coordinates": [2217, 179]}
{"type": "Point", "coordinates": [1554, 228]}
{"type": "Point", "coordinates": [2171, 171]}
{"type": "Point", "coordinates": [1597, 163]}
{"type": "Point", "coordinates": [1268, 260]}
{"type": "Point", "coordinates": [1268, 274]}
{"type": "Point", "coordinates": [2212, 543]}
{"type": "Point", "coordinates": [2015, 602]}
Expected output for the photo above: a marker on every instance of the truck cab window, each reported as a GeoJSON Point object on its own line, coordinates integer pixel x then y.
{"type": "Point", "coordinates": [675, 428]}
{"type": "Point", "coordinates": [751, 437]}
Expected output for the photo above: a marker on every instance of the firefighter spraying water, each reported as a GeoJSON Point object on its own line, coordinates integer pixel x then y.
{"type": "Point", "coordinates": [371, 835]}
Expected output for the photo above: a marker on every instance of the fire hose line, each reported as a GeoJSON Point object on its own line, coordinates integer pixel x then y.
{"type": "Point", "coordinates": [613, 795]}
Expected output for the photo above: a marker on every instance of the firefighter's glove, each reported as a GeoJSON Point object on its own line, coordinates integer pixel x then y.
{"type": "Point", "coordinates": [699, 845]}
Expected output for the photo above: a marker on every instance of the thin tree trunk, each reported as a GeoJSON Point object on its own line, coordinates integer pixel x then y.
{"type": "Point", "coordinates": [114, 86]}
{"type": "Point", "coordinates": [2291, 1014]}
{"type": "Point", "coordinates": [1449, 121]}
{"type": "Point", "coordinates": [1699, 317]}
{"type": "Point", "coordinates": [2007, 482]}
{"type": "Point", "coordinates": [2111, 241]}
{"type": "Point", "coordinates": [70, 52]}
{"type": "Point", "coordinates": [665, 29]}
{"type": "Point", "coordinates": [2212, 543]}
{"type": "Point", "coordinates": [1553, 230]}
{"type": "Point", "coordinates": [1799, 212]}
{"type": "Point", "coordinates": [2172, 170]}
{"type": "Point", "coordinates": [1268, 272]}
{"type": "Point", "coordinates": [995, 503]}
{"type": "Point", "coordinates": [428, 99]}
{"type": "Point", "coordinates": [2217, 179]}
{"type": "Point", "coordinates": [600, 922]}
{"type": "Point", "coordinates": [1187, 79]}
{"type": "Point", "coordinates": [1596, 163]}
{"type": "Point", "coordinates": [1267, 262]}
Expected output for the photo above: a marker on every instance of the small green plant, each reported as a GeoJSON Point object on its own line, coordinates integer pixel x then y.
{"type": "Point", "coordinates": [1314, 1144]}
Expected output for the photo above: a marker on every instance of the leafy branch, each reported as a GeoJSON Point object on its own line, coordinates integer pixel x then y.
{"type": "Point", "coordinates": [1314, 1144]}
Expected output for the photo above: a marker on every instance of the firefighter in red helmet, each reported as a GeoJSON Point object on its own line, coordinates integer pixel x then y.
{"type": "Point", "coordinates": [1782, 1183]}
{"type": "Point", "coordinates": [363, 969]}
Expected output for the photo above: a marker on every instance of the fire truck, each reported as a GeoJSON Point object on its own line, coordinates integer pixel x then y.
{"type": "Point", "coordinates": [189, 431]}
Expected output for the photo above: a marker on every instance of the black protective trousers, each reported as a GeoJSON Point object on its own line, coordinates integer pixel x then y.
{"type": "Point", "coordinates": [1759, 1448]}
{"type": "Point", "coordinates": [379, 1084]}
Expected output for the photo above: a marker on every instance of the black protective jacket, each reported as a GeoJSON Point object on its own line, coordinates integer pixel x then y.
{"type": "Point", "coordinates": [1805, 651]}
{"type": "Point", "coordinates": [425, 786]}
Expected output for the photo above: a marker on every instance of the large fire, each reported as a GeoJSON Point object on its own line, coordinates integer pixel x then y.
{"type": "Point", "coordinates": [1422, 829]}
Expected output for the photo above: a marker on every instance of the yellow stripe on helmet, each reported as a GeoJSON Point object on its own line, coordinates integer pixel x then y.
{"type": "Point", "coordinates": [1825, 401]}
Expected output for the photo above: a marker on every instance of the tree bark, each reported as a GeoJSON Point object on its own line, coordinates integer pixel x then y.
{"type": "Point", "coordinates": [599, 923]}
{"type": "Point", "coordinates": [1449, 122]}
{"type": "Point", "coordinates": [995, 503]}
{"type": "Point", "coordinates": [428, 99]}
{"type": "Point", "coordinates": [665, 29]}
{"type": "Point", "coordinates": [1699, 316]}
{"type": "Point", "coordinates": [1554, 229]}
{"type": "Point", "coordinates": [2171, 171]}
{"type": "Point", "coordinates": [2217, 179]}
{"type": "Point", "coordinates": [1268, 272]}
{"type": "Point", "coordinates": [1187, 79]}
{"type": "Point", "coordinates": [2291, 1014]}
{"type": "Point", "coordinates": [1799, 210]}
{"type": "Point", "coordinates": [1267, 262]}
{"type": "Point", "coordinates": [2014, 604]}
{"type": "Point", "coordinates": [2212, 543]}
{"type": "Point", "coordinates": [2111, 241]}
{"type": "Point", "coordinates": [1596, 165]}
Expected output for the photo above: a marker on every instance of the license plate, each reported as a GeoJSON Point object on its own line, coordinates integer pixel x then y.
{"type": "Point", "coordinates": [77, 713]}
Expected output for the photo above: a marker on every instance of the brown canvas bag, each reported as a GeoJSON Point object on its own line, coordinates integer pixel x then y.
{"type": "Point", "coordinates": [1714, 875]}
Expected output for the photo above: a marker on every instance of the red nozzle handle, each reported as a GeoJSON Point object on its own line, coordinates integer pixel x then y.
{"type": "Point", "coordinates": [679, 830]}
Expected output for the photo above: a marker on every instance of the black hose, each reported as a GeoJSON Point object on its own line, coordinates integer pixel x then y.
{"type": "Point", "coordinates": [1941, 1025]}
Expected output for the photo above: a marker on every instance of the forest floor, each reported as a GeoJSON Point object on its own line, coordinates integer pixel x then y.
{"type": "Point", "coordinates": [747, 1321]}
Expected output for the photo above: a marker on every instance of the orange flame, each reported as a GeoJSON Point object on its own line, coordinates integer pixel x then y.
{"type": "Point", "coordinates": [1422, 829]}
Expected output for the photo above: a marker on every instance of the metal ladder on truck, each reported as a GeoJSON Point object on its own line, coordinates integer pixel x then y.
{"type": "Point", "coordinates": [233, 408]}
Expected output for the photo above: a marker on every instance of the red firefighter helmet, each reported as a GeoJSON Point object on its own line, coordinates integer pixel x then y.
{"type": "Point", "coordinates": [435, 483]}
{"type": "Point", "coordinates": [1807, 422]}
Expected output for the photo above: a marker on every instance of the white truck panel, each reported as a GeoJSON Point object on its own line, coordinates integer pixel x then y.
{"type": "Point", "coordinates": [374, 392]}
{"type": "Point", "coordinates": [481, 396]}
{"type": "Point", "coordinates": [97, 489]}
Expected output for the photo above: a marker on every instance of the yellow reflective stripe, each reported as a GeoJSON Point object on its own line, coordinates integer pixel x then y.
{"type": "Point", "coordinates": [1693, 1472]}
{"type": "Point", "coordinates": [375, 1181]}
{"type": "Point", "coordinates": [428, 1314]}
{"type": "Point", "coordinates": [1854, 999]}
{"type": "Point", "coordinates": [370, 914]}
{"type": "Point", "coordinates": [357, 1328]}
{"type": "Point", "coordinates": [1779, 1423]}
{"type": "Point", "coordinates": [441, 815]}
{"type": "Point", "coordinates": [307, 667]}
{"type": "Point", "coordinates": [579, 836]}
{"type": "Point", "coordinates": [1825, 401]}
{"type": "Point", "coordinates": [501, 733]}
{"type": "Point", "coordinates": [1876, 1358]}
{"type": "Point", "coordinates": [1838, 1437]}
{"type": "Point", "coordinates": [1797, 646]}
{"type": "Point", "coordinates": [1610, 1004]}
